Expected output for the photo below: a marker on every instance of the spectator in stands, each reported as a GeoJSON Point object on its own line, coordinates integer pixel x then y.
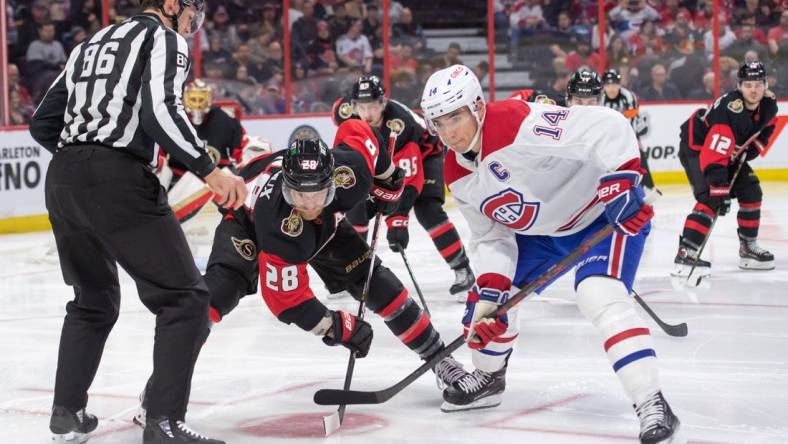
{"type": "Point", "coordinates": [87, 15]}
{"type": "Point", "coordinates": [552, 8]}
{"type": "Point", "coordinates": [757, 33]}
{"type": "Point", "coordinates": [304, 31]}
{"type": "Point", "coordinates": [746, 42]}
{"type": "Point", "coordinates": [275, 57]}
{"type": "Point", "coordinates": [748, 7]}
{"type": "Point", "coordinates": [726, 37]}
{"type": "Point", "coordinates": [271, 23]}
{"type": "Point", "coordinates": [582, 55]}
{"type": "Point", "coordinates": [353, 48]}
{"type": "Point", "coordinates": [668, 13]}
{"type": "Point", "coordinates": [772, 80]}
{"type": "Point", "coordinates": [705, 92]}
{"type": "Point", "coordinates": [481, 70]}
{"type": "Point", "coordinates": [630, 14]}
{"type": "Point", "coordinates": [647, 42]}
{"type": "Point", "coordinates": [25, 100]}
{"type": "Point", "coordinates": [258, 46]}
{"type": "Point", "coordinates": [221, 27]}
{"type": "Point", "coordinates": [371, 22]}
{"type": "Point", "coordinates": [31, 20]}
{"type": "Point", "coordinates": [356, 9]}
{"type": "Point", "coordinates": [257, 72]}
{"type": "Point", "coordinates": [76, 36]}
{"type": "Point", "coordinates": [17, 113]}
{"type": "Point", "coordinates": [395, 11]}
{"type": "Point", "coordinates": [778, 37]}
{"type": "Point", "coordinates": [294, 12]}
{"type": "Point", "coordinates": [340, 22]}
{"type": "Point", "coordinates": [525, 19]}
{"type": "Point", "coordinates": [452, 55]}
{"type": "Point", "coordinates": [219, 56]}
{"type": "Point", "coordinates": [401, 59]}
{"type": "Point", "coordinates": [617, 53]}
{"type": "Point", "coordinates": [46, 52]}
{"type": "Point", "coordinates": [272, 99]}
{"type": "Point", "coordinates": [405, 89]}
{"type": "Point", "coordinates": [305, 90]}
{"type": "Point", "coordinates": [768, 15]}
{"type": "Point", "coordinates": [408, 31]}
{"type": "Point", "coordinates": [660, 88]}
{"type": "Point", "coordinates": [320, 54]}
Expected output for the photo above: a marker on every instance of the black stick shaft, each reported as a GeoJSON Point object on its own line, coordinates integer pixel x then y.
{"type": "Point", "coordinates": [415, 284]}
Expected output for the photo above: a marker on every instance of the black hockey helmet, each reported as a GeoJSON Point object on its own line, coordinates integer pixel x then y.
{"type": "Point", "coordinates": [307, 166]}
{"type": "Point", "coordinates": [584, 83]}
{"type": "Point", "coordinates": [368, 89]}
{"type": "Point", "coordinates": [611, 76]}
{"type": "Point", "coordinates": [751, 71]}
{"type": "Point", "coordinates": [197, 19]}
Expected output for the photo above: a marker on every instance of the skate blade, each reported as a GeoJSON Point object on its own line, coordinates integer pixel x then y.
{"type": "Point", "coordinates": [484, 403]}
{"type": "Point", "coordinates": [684, 271]}
{"type": "Point", "coordinates": [752, 264]}
{"type": "Point", "coordinates": [70, 438]}
{"type": "Point", "coordinates": [331, 423]}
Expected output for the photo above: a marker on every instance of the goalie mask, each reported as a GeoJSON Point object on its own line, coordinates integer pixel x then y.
{"type": "Point", "coordinates": [197, 99]}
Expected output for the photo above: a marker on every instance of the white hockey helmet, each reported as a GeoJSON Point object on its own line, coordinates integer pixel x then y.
{"type": "Point", "coordinates": [448, 90]}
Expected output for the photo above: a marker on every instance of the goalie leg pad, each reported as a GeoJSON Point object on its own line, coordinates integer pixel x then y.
{"type": "Point", "coordinates": [628, 344]}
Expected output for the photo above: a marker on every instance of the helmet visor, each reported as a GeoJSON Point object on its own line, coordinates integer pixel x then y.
{"type": "Point", "coordinates": [308, 200]}
{"type": "Point", "coordinates": [194, 12]}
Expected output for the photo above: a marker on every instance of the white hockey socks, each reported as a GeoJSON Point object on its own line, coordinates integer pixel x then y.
{"type": "Point", "coordinates": [628, 344]}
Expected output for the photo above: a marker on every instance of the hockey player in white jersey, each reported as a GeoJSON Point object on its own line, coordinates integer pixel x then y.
{"type": "Point", "coordinates": [533, 181]}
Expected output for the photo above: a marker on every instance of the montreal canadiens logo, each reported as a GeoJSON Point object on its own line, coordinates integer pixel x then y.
{"type": "Point", "coordinates": [509, 208]}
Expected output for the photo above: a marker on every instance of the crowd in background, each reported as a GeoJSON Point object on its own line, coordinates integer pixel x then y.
{"type": "Point", "coordinates": [663, 48]}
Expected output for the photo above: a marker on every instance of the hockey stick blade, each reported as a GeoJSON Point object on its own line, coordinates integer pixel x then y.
{"type": "Point", "coordinates": [352, 397]}
{"type": "Point", "coordinates": [678, 330]}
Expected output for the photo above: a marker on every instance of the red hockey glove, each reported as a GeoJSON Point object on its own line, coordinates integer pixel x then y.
{"type": "Point", "coordinates": [490, 291]}
{"type": "Point", "coordinates": [386, 192]}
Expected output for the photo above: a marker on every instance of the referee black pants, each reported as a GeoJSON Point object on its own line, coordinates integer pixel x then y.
{"type": "Point", "coordinates": [107, 208]}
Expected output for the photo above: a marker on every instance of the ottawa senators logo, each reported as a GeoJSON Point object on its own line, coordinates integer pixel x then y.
{"type": "Point", "coordinates": [214, 154]}
{"type": "Point", "coordinates": [396, 126]}
{"type": "Point", "coordinates": [345, 110]}
{"type": "Point", "coordinates": [293, 225]}
{"type": "Point", "coordinates": [245, 248]}
{"type": "Point", "coordinates": [736, 106]}
{"type": "Point", "coordinates": [509, 208]}
{"type": "Point", "coordinates": [344, 177]}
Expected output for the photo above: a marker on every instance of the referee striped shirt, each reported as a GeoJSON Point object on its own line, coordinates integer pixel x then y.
{"type": "Point", "coordinates": [122, 89]}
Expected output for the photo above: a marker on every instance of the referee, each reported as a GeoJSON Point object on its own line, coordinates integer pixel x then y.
{"type": "Point", "coordinates": [119, 93]}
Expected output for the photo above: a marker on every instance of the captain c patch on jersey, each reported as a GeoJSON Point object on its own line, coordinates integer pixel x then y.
{"type": "Point", "coordinates": [510, 208]}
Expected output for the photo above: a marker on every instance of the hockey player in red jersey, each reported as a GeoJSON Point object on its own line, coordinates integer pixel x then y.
{"type": "Point", "coordinates": [294, 217]}
{"type": "Point", "coordinates": [539, 96]}
{"type": "Point", "coordinates": [534, 181]}
{"type": "Point", "coordinates": [710, 151]}
{"type": "Point", "coordinates": [420, 155]}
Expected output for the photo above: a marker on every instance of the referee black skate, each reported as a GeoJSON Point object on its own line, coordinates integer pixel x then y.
{"type": "Point", "coordinates": [119, 93]}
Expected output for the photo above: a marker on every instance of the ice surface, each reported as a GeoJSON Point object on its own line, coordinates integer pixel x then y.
{"type": "Point", "coordinates": [727, 380]}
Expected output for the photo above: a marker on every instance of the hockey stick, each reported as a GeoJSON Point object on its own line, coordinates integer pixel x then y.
{"type": "Point", "coordinates": [415, 284]}
{"type": "Point", "coordinates": [678, 330]}
{"type": "Point", "coordinates": [742, 158]}
{"type": "Point", "coordinates": [344, 397]}
{"type": "Point", "coordinates": [332, 422]}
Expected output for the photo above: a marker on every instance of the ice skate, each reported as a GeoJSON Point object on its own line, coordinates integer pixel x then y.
{"type": "Point", "coordinates": [71, 427]}
{"type": "Point", "coordinates": [658, 424]}
{"type": "Point", "coordinates": [170, 431]}
{"type": "Point", "coordinates": [477, 390]}
{"type": "Point", "coordinates": [753, 257]}
{"type": "Point", "coordinates": [448, 371]}
{"type": "Point", "coordinates": [686, 259]}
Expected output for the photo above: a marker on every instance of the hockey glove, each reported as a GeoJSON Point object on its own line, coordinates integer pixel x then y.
{"type": "Point", "coordinates": [623, 196]}
{"type": "Point", "coordinates": [754, 149]}
{"type": "Point", "coordinates": [720, 199]}
{"type": "Point", "coordinates": [349, 331]}
{"type": "Point", "coordinates": [490, 291]}
{"type": "Point", "coordinates": [386, 192]}
{"type": "Point", "coordinates": [397, 234]}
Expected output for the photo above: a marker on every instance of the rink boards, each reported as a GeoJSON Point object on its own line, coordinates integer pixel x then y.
{"type": "Point", "coordinates": [23, 163]}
